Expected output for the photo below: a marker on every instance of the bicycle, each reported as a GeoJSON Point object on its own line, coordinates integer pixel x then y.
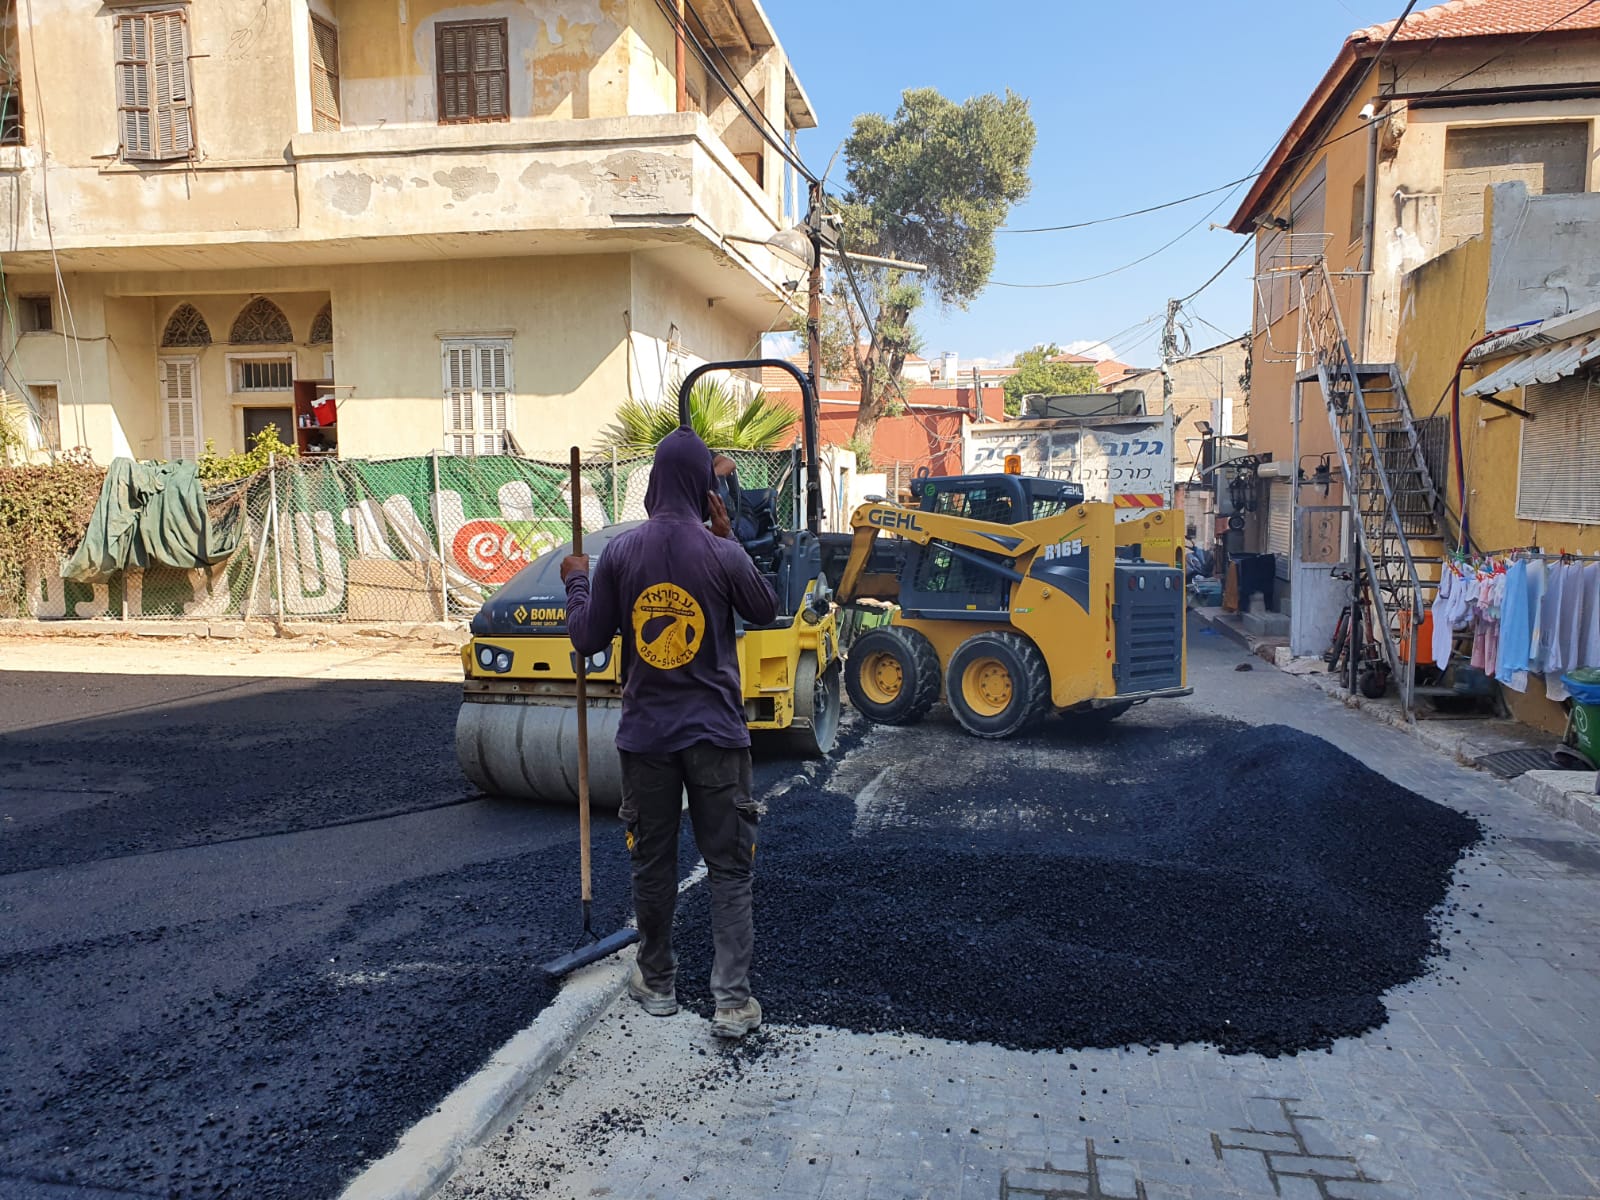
{"type": "Point", "coordinates": [1372, 669]}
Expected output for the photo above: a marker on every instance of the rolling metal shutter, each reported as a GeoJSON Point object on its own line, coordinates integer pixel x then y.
{"type": "Point", "coordinates": [1558, 477]}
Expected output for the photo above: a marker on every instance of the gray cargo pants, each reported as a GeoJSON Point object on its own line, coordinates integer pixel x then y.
{"type": "Point", "coordinates": [724, 818]}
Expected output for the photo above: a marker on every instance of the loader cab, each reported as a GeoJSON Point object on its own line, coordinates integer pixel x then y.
{"type": "Point", "coordinates": [1000, 499]}
{"type": "Point", "coordinates": [942, 581]}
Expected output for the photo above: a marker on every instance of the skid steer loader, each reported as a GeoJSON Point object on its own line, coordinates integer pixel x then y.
{"type": "Point", "coordinates": [517, 727]}
{"type": "Point", "coordinates": [1015, 599]}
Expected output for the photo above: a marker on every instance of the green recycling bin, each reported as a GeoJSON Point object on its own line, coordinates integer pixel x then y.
{"type": "Point", "coordinates": [1584, 727]}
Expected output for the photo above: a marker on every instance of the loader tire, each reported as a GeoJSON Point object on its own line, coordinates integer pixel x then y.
{"type": "Point", "coordinates": [997, 684]}
{"type": "Point", "coordinates": [892, 675]}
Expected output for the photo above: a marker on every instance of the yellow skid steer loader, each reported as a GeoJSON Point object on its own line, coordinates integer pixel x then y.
{"type": "Point", "coordinates": [1015, 598]}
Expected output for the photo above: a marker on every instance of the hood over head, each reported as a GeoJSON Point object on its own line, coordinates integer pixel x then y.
{"type": "Point", "coordinates": [680, 478]}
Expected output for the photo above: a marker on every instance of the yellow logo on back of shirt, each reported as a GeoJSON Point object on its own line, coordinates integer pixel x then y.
{"type": "Point", "coordinates": [668, 626]}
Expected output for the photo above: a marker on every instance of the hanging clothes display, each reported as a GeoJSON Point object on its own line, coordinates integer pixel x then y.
{"type": "Point", "coordinates": [1511, 664]}
{"type": "Point", "coordinates": [1589, 643]}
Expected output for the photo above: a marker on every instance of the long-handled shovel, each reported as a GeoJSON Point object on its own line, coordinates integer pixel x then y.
{"type": "Point", "coordinates": [591, 946]}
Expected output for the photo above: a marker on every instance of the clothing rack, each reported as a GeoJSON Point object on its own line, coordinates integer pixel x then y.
{"type": "Point", "coordinates": [1535, 552]}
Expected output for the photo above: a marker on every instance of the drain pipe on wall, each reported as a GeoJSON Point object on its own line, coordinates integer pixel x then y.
{"type": "Point", "coordinates": [679, 66]}
{"type": "Point", "coordinates": [1369, 221]}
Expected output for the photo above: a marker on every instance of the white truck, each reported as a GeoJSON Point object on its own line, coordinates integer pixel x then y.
{"type": "Point", "coordinates": [1123, 460]}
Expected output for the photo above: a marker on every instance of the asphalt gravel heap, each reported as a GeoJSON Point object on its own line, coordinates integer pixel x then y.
{"type": "Point", "coordinates": [1163, 881]}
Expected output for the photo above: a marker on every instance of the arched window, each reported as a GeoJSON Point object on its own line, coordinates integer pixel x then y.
{"type": "Point", "coordinates": [186, 327]}
{"type": "Point", "coordinates": [322, 326]}
{"type": "Point", "coordinates": [261, 323]}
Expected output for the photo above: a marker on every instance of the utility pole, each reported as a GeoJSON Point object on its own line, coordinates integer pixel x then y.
{"type": "Point", "coordinates": [812, 415]}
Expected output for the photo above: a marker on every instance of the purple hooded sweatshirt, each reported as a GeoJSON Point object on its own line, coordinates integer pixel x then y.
{"type": "Point", "coordinates": [671, 587]}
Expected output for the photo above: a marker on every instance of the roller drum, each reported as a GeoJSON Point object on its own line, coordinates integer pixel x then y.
{"type": "Point", "coordinates": [530, 751]}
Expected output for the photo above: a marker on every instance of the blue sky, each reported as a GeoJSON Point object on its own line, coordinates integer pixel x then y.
{"type": "Point", "coordinates": [1136, 104]}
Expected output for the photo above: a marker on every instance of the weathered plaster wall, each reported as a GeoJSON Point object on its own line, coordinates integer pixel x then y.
{"type": "Point", "coordinates": [238, 49]}
{"type": "Point", "coordinates": [567, 58]}
{"type": "Point", "coordinates": [1273, 362]}
{"type": "Point", "coordinates": [1411, 167]}
{"type": "Point", "coordinates": [565, 319]}
{"type": "Point", "coordinates": [674, 330]}
{"type": "Point", "coordinates": [1546, 251]}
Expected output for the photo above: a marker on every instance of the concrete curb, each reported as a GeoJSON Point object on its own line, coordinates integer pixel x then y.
{"type": "Point", "coordinates": [430, 1151]}
{"type": "Point", "coordinates": [1554, 791]}
{"type": "Point", "coordinates": [426, 634]}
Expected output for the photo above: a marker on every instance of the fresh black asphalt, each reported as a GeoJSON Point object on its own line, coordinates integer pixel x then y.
{"type": "Point", "coordinates": [254, 929]}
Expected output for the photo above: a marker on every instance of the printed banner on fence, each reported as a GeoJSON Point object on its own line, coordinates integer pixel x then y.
{"type": "Point", "coordinates": [362, 540]}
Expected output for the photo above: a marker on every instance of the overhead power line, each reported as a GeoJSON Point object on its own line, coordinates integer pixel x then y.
{"type": "Point", "coordinates": [1229, 188]}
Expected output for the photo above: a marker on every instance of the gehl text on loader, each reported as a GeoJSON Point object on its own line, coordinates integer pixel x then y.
{"type": "Point", "coordinates": [1011, 596]}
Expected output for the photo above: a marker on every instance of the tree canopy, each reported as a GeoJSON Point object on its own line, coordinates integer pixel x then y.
{"type": "Point", "coordinates": [1037, 375]}
{"type": "Point", "coordinates": [929, 185]}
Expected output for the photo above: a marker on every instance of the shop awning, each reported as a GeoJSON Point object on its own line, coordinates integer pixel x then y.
{"type": "Point", "coordinates": [1543, 364]}
{"type": "Point", "coordinates": [1538, 351]}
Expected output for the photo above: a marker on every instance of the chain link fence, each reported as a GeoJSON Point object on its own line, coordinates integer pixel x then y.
{"type": "Point", "coordinates": [393, 540]}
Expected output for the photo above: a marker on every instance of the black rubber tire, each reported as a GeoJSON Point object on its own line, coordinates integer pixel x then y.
{"type": "Point", "coordinates": [1029, 678]}
{"type": "Point", "coordinates": [919, 673]}
{"type": "Point", "coordinates": [1089, 717]}
{"type": "Point", "coordinates": [1373, 682]}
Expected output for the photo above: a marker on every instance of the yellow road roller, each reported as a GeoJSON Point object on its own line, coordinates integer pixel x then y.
{"type": "Point", "coordinates": [1014, 598]}
{"type": "Point", "coordinates": [516, 732]}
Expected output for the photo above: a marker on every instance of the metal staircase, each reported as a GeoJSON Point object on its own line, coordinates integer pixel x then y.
{"type": "Point", "coordinates": [1395, 511]}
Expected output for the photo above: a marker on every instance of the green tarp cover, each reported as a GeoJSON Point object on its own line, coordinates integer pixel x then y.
{"type": "Point", "coordinates": [150, 514]}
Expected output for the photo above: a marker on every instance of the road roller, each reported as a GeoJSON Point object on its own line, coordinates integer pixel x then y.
{"type": "Point", "coordinates": [516, 732]}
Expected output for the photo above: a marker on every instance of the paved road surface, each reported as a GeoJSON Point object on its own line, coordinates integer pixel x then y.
{"type": "Point", "coordinates": [251, 929]}
{"type": "Point", "coordinates": [1480, 1083]}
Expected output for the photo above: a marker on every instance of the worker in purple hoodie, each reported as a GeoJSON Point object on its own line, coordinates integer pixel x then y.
{"type": "Point", "coordinates": [672, 587]}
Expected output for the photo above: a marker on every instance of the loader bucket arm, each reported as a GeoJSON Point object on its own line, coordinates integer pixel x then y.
{"type": "Point", "coordinates": [808, 421]}
{"type": "Point", "coordinates": [975, 541]}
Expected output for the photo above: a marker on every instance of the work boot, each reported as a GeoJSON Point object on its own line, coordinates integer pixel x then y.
{"type": "Point", "coordinates": [736, 1022]}
{"type": "Point", "coordinates": [657, 1004]}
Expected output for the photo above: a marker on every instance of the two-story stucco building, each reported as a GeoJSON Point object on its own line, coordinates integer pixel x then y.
{"type": "Point", "coordinates": [485, 223]}
{"type": "Point", "coordinates": [1383, 170]}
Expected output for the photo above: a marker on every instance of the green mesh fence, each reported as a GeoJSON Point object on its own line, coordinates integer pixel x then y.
{"type": "Point", "coordinates": [393, 540]}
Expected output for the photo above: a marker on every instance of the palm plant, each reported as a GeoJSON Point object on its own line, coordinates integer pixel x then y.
{"type": "Point", "coordinates": [723, 420]}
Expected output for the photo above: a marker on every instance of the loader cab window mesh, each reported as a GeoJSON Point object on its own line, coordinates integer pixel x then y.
{"type": "Point", "coordinates": [980, 503]}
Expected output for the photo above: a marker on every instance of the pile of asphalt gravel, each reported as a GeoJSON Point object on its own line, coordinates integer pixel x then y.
{"type": "Point", "coordinates": [1169, 882]}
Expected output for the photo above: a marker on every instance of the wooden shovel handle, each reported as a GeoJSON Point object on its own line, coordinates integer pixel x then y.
{"type": "Point", "coordinates": [583, 700]}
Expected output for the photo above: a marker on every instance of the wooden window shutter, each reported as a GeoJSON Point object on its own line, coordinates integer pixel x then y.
{"type": "Point", "coordinates": [154, 108]}
{"type": "Point", "coordinates": [477, 396]}
{"type": "Point", "coordinates": [325, 112]}
{"type": "Point", "coordinates": [179, 409]}
{"type": "Point", "coordinates": [133, 85]}
{"type": "Point", "coordinates": [473, 71]}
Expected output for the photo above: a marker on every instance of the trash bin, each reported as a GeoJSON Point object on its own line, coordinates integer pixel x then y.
{"type": "Point", "coordinates": [1584, 728]}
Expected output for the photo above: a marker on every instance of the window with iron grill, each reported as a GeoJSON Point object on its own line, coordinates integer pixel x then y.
{"type": "Point", "coordinates": [325, 112]}
{"type": "Point", "coordinates": [10, 81]}
{"type": "Point", "coordinates": [263, 375]}
{"type": "Point", "coordinates": [474, 81]}
{"type": "Point", "coordinates": [154, 106]}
